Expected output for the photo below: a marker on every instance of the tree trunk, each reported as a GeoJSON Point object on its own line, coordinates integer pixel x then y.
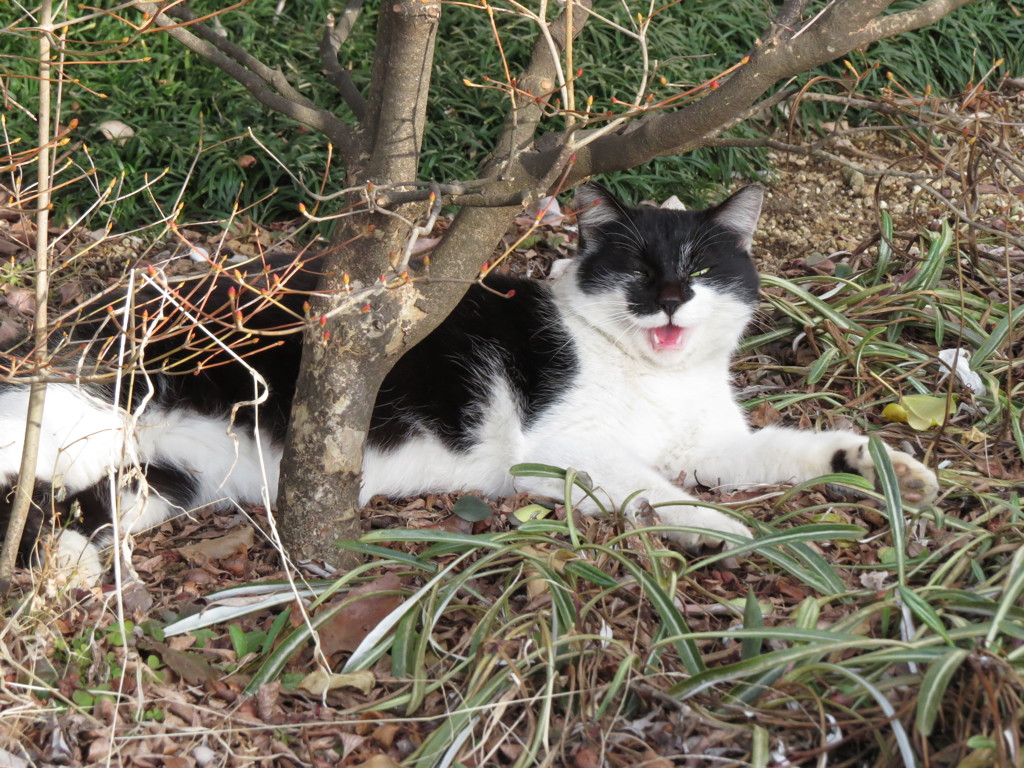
{"type": "Point", "coordinates": [343, 368]}
{"type": "Point", "coordinates": [321, 470]}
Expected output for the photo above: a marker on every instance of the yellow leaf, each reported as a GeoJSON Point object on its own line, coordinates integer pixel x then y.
{"type": "Point", "coordinates": [919, 411]}
{"type": "Point", "coordinates": [975, 435]}
{"type": "Point", "coordinates": [895, 412]}
{"type": "Point", "coordinates": [926, 411]}
{"type": "Point", "coordinates": [531, 512]}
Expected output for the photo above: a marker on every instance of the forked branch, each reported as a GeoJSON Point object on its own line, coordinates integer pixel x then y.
{"type": "Point", "coordinates": [270, 87]}
{"type": "Point", "coordinates": [330, 44]}
{"type": "Point", "coordinates": [791, 46]}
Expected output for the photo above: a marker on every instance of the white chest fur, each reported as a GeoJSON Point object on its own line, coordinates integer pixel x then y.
{"type": "Point", "coordinates": [623, 408]}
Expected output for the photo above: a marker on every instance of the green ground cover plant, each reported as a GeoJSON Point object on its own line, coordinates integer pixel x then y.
{"type": "Point", "coordinates": [856, 630]}
{"type": "Point", "coordinates": [190, 121]}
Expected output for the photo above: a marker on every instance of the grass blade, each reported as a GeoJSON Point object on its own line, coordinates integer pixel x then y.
{"type": "Point", "coordinates": [933, 688]}
{"type": "Point", "coordinates": [768, 662]}
{"type": "Point", "coordinates": [924, 612]}
{"type": "Point", "coordinates": [902, 740]}
{"type": "Point", "coordinates": [1014, 586]}
{"type": "Point", "coordinates": [884, 247]}
{"type": "Point", "coordinates": [752, 619]}
{"type": "Point", "coordinates": [893, 504]}
{"type": "Point", "coordinates": [815, 303]}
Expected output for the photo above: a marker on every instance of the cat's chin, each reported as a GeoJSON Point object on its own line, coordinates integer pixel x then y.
{"type": "Point", "coordinates": [668, 338]}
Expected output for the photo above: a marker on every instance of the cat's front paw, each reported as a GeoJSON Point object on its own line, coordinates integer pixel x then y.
{"type": "Point", "coordinates": [710, 520]}
{"type": "Point", "coordinates": [72, 560]}
{"type": "Point", "coordinates": [918, 485]}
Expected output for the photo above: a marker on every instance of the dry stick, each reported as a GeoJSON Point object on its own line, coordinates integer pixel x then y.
{"type": "Point", "coordinates": [37, 393]}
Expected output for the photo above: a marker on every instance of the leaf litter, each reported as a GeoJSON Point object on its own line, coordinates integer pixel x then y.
{"type": "Point", "coordinates": [71, 695]}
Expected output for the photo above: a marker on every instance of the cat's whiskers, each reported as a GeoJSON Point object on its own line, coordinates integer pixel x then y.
{"type": "Point", "coordinates": [628, 242]}
{"type": "Point", "coordinates": [641, 240]}
{"type": "Point", "coordinates": [704, 240]}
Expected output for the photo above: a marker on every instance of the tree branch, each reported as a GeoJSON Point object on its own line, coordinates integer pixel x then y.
{"type": "Point", "coordinates": [395, 116]}
{"type": "Point", "coordinates": [840, 28]}
{"type": "Point", "coordinates": [907, 21]}
{"type": "Point", "coordinates": [538, 77]}
{"type": "Point", "coordinates": [330, 45]}
{"type": "Point", "coordinates": [22, 501]}
{"type": "Point", "coordinates": [269, 86]}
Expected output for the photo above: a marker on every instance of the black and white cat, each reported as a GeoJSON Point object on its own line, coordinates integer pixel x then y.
{"type": "Point", "coordinates": [619, 367]}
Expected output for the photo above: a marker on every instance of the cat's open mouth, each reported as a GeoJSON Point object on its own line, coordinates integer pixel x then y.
{"type": "Point", "coordinates": [668, 337]}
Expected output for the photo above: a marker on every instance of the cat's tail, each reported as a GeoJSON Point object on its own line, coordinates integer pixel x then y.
{"type": "Point", "coordinates": [83, 440]}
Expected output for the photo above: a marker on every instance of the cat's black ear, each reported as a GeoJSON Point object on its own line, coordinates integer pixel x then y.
{"type": "Point", "coordinates": [739, 213]}
{"type": "Point", "coordinates": [595, 208]}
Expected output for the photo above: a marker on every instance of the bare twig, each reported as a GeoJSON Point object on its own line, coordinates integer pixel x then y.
{"type": "Point", "coordinates": [37, 391]}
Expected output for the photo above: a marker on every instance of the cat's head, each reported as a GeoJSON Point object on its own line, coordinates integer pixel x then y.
{"type": "Point", "coordinates": [666, 285]}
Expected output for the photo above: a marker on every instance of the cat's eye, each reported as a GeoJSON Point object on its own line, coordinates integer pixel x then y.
{"type": "Point", "coordinates": [700, 272]}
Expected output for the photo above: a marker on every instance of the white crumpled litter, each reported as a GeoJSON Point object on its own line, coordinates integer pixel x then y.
{"type": "Point", "coordinates": [552, 210]}
{"type": "Point", "coordinates": [959, 361]}
{"type": "Point", "coordinates": [198, 253]}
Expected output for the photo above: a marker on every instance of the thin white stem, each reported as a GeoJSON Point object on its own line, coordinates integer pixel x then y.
{"type": "Point", "coordinates": [37, 392]}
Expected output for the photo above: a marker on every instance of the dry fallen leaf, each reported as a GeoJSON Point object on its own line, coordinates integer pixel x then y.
{"type": "Point", "coordinates": [765, 414]}
{"type": "Point", "coordinates": [69, 292]}
{"type": "Point", "coordinates": [320, 681]}
{"type": "Point", "coordinates": [235, 540]}
{"type": "Point", "coordinates": [875, 580]}
{"type": "Point", "coordinates": [586, 758]}
{"type": "Point", "coordinates": [346, 629]}
{"type": "Point", "coordinates": [115, 130]}
{"type": "Point", "coordinates": [22, 300]}
{"type": "Point", "coordinates": [190, 667]}
{"type": "Point", "coordinates": [380, 761]}
{"type": "Point", "coordinates": [975, 435]}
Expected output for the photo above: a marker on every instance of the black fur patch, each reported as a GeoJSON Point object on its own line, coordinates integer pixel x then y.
{"type": "Point", "coordinates": [440, 385]}
{"type": "Point", "coordinates": [840, 463]}
{"type": "Point", "coordinates": [44, 513]}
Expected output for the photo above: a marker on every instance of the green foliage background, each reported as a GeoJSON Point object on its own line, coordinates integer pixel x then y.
{"type": "Point", "coordinates": [185, 113]}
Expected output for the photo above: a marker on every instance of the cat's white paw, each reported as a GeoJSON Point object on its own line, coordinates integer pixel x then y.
{"type": "Point", "coordinates": [74, 561]}
{"type": "Point", "coordinates": [918, 485]}
{"type": "Point", "coordinates": [710, 520]}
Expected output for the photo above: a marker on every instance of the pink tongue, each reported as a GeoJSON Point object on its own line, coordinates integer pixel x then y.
{"type": "Point", "coordinates": [666, 337]}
